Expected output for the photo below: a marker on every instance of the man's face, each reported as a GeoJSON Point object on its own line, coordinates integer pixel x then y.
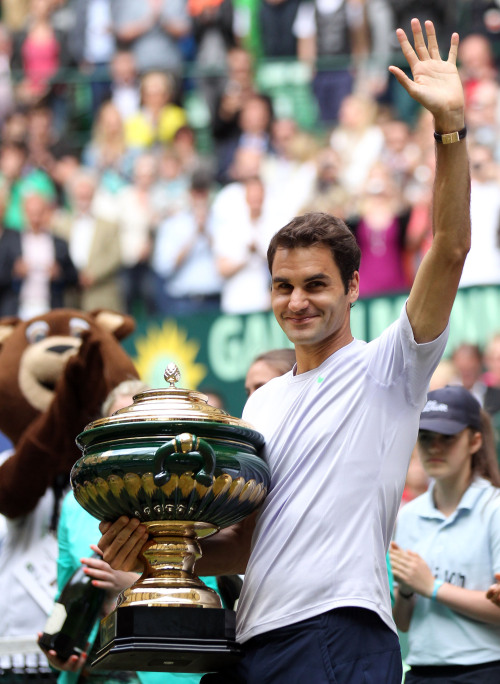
{"type": "Point", "coordinates": [36, 210]}
{"type": "Point", "coordinates": [468, 366]}
{"type": "Point", "coordinates": [308, 296]}
{"type": "Point", "coordinates": [12, 161]}
{"type": "Point", "coordinates": [83, 193]}
{"type": "Point", "coordinates": [492, 359]}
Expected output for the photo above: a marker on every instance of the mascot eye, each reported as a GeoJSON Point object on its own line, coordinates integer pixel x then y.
{"type": "Point", "coordinates": [77, 326]}
{"type": "Point", "coordinates": [37, 331]}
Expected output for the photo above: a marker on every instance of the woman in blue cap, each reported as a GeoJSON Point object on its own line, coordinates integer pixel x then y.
{"type": "Point", "coordinates": [447, 547]}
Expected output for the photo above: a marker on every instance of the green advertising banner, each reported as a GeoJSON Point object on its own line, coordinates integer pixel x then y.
{"type": "Point", "coordinates": [214, 351]}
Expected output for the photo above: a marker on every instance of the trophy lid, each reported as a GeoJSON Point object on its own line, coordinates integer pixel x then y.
{"type": "Point", "coordinates": [175, 405]}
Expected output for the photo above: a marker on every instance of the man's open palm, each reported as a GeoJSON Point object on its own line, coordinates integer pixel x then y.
{"type": "Point", "coordinates": [436, 83]}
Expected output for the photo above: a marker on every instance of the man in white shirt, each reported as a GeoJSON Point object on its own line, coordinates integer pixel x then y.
{"type": "Point", "coordinates": [43, 270]}
{"type": "Point", "coordinates": [244, 223]}
{"type": "Point", "coordinates": [339, 432]}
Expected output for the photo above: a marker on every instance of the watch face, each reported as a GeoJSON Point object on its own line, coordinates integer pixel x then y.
{"type": "Point", "coordinates": [447, 138]}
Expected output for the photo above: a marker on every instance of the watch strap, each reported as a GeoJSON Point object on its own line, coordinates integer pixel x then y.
{"type": "Point", "coordinates": [447, 138]}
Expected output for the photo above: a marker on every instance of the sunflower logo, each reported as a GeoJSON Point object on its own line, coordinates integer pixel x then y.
{"type": "Point", "coordinates": [168, 344]}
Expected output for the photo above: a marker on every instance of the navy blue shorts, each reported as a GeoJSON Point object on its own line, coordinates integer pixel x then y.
{"type": "Point", "coordinates": [485, 673]}
{"type": "Point", "coordinates": [343, 646]}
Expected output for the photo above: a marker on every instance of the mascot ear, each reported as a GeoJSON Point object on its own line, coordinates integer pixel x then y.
{"type": "Point", "coordinates": [119, 325]}
{"type": "Point", "coordinates": [7, 326]}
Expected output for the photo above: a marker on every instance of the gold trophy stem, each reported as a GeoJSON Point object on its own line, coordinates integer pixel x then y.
{"type": "Point", "coordinates": [168, 579]}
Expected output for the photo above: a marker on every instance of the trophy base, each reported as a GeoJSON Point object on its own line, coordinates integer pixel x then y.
{"type": "Point", "coordinates": [152, 639]}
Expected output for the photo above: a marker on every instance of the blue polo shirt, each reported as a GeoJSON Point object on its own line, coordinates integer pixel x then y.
{"type": "Point", "coordinates": [463, 549]}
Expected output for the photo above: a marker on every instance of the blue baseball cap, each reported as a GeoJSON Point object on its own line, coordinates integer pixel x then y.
{"type": "Point", "coordinates": [450, 410]}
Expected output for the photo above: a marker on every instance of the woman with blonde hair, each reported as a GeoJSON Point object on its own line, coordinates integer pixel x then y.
{"type": "Point", "coordinates": [106, 151]}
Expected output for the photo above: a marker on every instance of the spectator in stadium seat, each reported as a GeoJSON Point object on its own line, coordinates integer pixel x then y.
{"type": "Point", "coordinates": [338, 30]}
{"type": "Point", "coordinates": [158, 118]}
{"type": "Point", "coordinates": [137, 223]}
{"type": "Point", "coordinates": [183, 257]}
{"type": "Point", "coordinates": [106, 152]}
{"type": "Point", "coordinates": [43, 270]}
{"type": "Point", "coordinates": [468, 360]}
{"type": "Point", "coordinates": [125, 86]}
{"type": "Point", "coordinates": [212, 25]}
{"type": "Point", "coordinates": [94, 246]}
{"type": "Point", "coordinates": [17, 177]}
{"type": "Point", "coordinates": [244, 223]}
{"type": "Point", "coordinates": [39, 51]}
{"type": "Point", "coordinates": [152, 30]}
{"type": "Point", "coordinates": [254, 121]}
{"type": "Point", "coordinates": [482, 266]}
{"type": "Point", "coordinates": [92, 44]}
{"type": "Point", "coordinates": [6, 84]}
{"type": "Point", "coordinates": [239, 87]}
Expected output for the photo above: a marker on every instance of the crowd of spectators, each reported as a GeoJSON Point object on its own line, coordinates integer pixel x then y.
{"type": "Point", "coordinates": [150, 209]}
{"type": "Point", "coordinates": [135, 214]}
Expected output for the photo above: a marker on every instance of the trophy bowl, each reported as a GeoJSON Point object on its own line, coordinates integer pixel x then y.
{"type": "Point", "coordinates": [186, 470]}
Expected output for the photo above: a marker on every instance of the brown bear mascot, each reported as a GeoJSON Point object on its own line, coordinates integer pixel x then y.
{"type": "Point", "coordinates": [55, 372]}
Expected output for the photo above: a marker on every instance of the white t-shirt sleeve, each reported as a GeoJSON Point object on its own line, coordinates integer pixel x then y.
{"type": "Point", "coordinates": [304, 25]}
{"type": "Point", "coordinates": [396, 353]}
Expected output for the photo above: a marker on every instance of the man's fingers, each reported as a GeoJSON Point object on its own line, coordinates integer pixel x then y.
{"type": "Point", "coordinates": [406, 48]}
{"type": "Point", "coordinates": [419, 40]}
{"type": "Point", "coordinates": [123, 552]}
{"type": "Point", "coordinates": [452, 54]}
{"type": "Point", "coordinates": [121, 542]}
{"type": "Point", "coordinates": [406, 82]}
{"type": "Point", "coordinates": [128, 557]}
{"type": "Point", "coordinates": [104, 527]}
{"type": "Point", "coordinates": [110, 532]}
{"type": "Point", "coordinates": [432, 40]}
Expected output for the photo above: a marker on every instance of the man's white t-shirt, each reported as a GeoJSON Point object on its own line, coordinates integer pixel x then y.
{"type": "Point", "coordinates": [338, 443]}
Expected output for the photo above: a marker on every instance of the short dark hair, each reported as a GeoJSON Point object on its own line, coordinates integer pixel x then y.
{"type": "Point", "coordinates": [201, 179]}
{"type": "Point", "coordinates": [319, 228]}
{"type": "Point", "coordinates": [17, 145]}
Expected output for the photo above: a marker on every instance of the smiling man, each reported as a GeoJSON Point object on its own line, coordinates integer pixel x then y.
{"type": "Point", "coordinates": [339, 432]}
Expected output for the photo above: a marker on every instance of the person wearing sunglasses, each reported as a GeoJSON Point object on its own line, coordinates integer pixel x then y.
{"type": "Point", "coordinates": [446, 549]}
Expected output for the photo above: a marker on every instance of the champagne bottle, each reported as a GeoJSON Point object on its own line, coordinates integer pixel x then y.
{"type": "Point", "coordinates": [74, 614]}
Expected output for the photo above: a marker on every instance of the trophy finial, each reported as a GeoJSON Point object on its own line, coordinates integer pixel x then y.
{"type": "Point", "coordinates": [172, 374]}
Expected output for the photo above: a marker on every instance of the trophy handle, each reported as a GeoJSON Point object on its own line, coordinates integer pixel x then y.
{"type": "Point", "coordinates": [181, 445]}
